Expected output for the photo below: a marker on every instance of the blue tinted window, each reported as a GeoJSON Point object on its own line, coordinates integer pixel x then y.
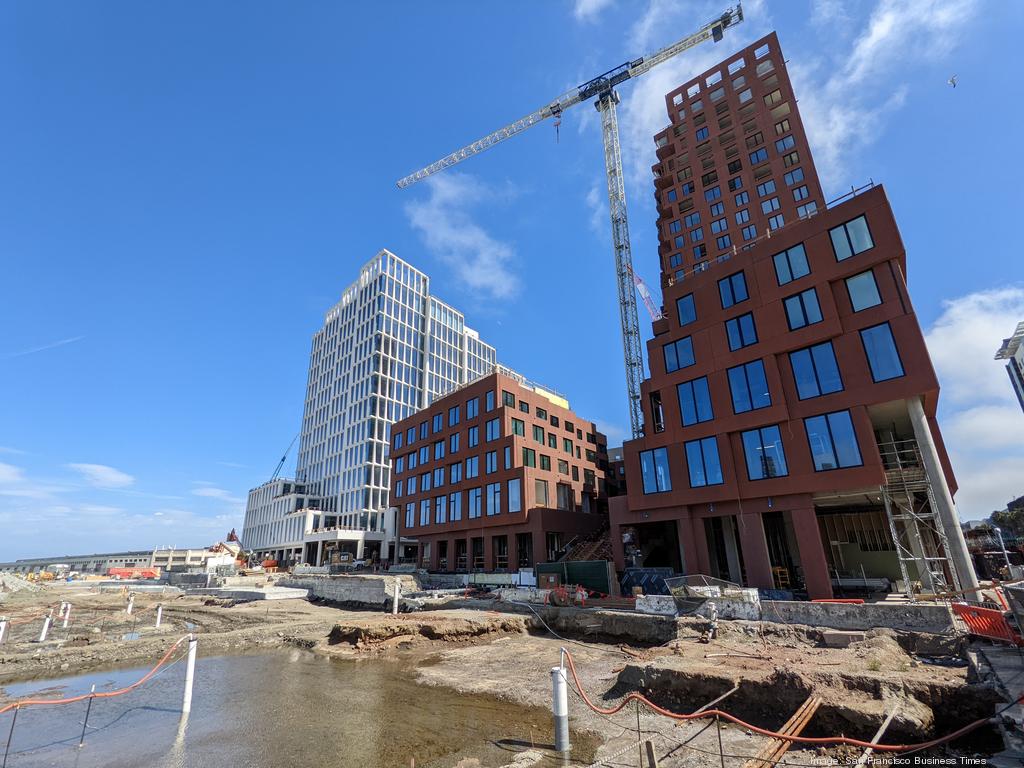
{"type": "Point", "coordinates": [692, 220]}
{"type": "Point", "coordinates": [883, 357]}
{"type": "Point", "coordinates": [678, 354]}
{"type": "Point", "coordinates": [702, 133]}
{"type": "Point", "coordinates": [758, 156]}
{"type": "Point", "coordinates": [832, 441]}
{"type": "Point", "coordinates": [685, 308]}
{"type": "Point", "coordinates": [816, 371]}
{"type": "Point", "coordinates": [863, 291]}
{"type": "Point", "coordinates": [851, 238]}
{"type": "Point", "coordinates": [733, 289]}
{"type": "Point", "coordinates": [766, 188]}
{"type": "Point", "coordinates": [802, 309]}
{"type": "Point", "coordinates": [654, 471]}
{"type": "Point", "coordinates": [695, 401]}
{"type": "Point", "coordinates": [786, 142]}
{"type": "Point", "coordinates": [671, 196]}
{"type": "Point", "coordinates": [712, 194]}
{"type": "Point", "coordinates": [749, 387]}
{"type": "Point", "coordinates": [703, 462]}
{"type": "Point", "coordinates": [764, 453]}
{"type": "Point", "coordinates": [794, 177]}
{"type": "Point", "coordinates": [741, 331]}
{"type": "Point", "coordinates": [791, 264]}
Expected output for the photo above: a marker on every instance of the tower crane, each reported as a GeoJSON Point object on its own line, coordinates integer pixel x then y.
{"type": "Point", "coordinates": [280, 464]}
{"type": "Point", "coordinates": [602, 89]}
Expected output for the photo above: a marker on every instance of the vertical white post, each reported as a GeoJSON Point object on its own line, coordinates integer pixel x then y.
{"type": "Point", "coordinates": [159, 615]}
{"type": "Point", "coordinates": [60, 613]}
{"type": "Point", "coordinates": [3, 628]}
{"type": "Point", "coordinates": [131, 602]}
{"type": "Point", "coordinates": [397, 595]}
{"type": "Point", "coordinates": [190, 674]}
{"type": "Point", "coordinates": [67, 615]}
{"type": "Point", "coordinates": [46, 627]}
{"type": "Point", "coordinates": [560, 708]}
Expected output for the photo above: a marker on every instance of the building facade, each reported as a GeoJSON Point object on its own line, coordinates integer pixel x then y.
{"type": "Point", "coordinates": [497, 475]}
{"type": "Point", "coordinates": [790, 436]}
{"type": "Point", "coordinates": [388, 348]}
{"type": "Point", "coordinates": [1012, 352]}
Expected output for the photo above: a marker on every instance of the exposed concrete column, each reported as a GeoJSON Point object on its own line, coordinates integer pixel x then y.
{"type": "Point", "coordinates": [812, 553]}
{"type": "Point", "coordinates": [687, 550]}
{"type": "Point", "coordinates": [755, 551]}
{"type": "Point", "coordinates": [958, 553]}
{"type": "Point", "coordinates": [319, 553]}
{"type": "Point", "coordinates": [360, 546]}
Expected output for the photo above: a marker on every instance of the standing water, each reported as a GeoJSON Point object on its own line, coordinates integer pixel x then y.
{"type": "Point", "coordinates": [283, 708]}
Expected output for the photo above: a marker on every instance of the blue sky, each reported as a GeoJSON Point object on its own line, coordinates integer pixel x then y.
{"type": "Point", "coordinates": [187, 187]}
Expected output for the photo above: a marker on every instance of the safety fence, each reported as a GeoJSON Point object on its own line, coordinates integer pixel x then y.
{"type": "Point", "coordinates": [68, 622]}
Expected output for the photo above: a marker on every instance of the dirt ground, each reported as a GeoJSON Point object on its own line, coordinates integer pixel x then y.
{"type": "Point", "coordinates": [509, 656]}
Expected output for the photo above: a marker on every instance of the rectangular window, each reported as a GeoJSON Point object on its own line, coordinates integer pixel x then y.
{"type": "Point", "coordinates": [782, 127]}
{"type": "Point", "coordinates": [493, 430]}
{"type": "Point", "coordinates": [474, 502]}
{"type": "Point", "coordinates": [671, 196]}
{"type": "Point", "coordinates": [766, 188]}
{"type": "Point", "coordinates": [692, 220]}
{"type": "Point", "coordinates": [440, 510]}
{"type": "Point", "coordinates": [410, 436]}
{"type": "Point", "coordinates": [519, 427]}
{"type": "Point", "coordinates": [702, 133]}
{"type": "Point", "coordinates": [400, 465]}
{"type": "Point", "coordinates": [786, 142]}
{"type": "Point", "coordinates": [489, 400]}
{"type": "Point", "coordinates": [529, 457]}
{"type": "Point", "coordinates": [703, 462]}
{"type": "Point", "coordinates": [733, 289]}
{"type": "Point", "coordinates": [453, 415]}
{"type": "Point", "coordinates": [741, 331]}
{"type": "Point", "coordinates": [654, 471]}
{"type": "Point", "coordinates": [749, 387]}
{"type": "Point", "coordinates": [723, 242]}
{"type": "Point", "coordinates": [524, 406]}
{"type": "Point", "coordinates": [437, 423]}
{"type": "Point", "coordinates": [507, 398]}
{"type": "Point", "coordinates": [851, 238]}
{"type": "Point", "coordinates": [880, 348]}
{"type": "Point", "coordinates": [794, 177]}
{"type": "Point", "coordinates": [398, 441]}
{"type": "Point", "coordinates": [712, 194]}
{"type": "Point", "coordinates": [439, 450]}
{"type": "Point", "coordinates": [491, 462]}
{"type": "Point", "coordinates": [563, 467]}
{"type": "Point", "coordinates": [764, 453]}
{"type": "Point", "coordinates": [697, 234]}
{"type": "Point", "coordinates": [567, 445]}
{"type": "Point", "coordinates": [791, 264]}
{"type": "Point", "coordinates": [742, 217]}
{"type": "Point", "coordinates": [545, 462]}
{"type": "Point", "coordinates": [815, 371]}
{"type": "Point", "coordinates": [541, 414]}
{"type": "Point", "coordinates": [410, 486]}
{"type": "Point", "coordinates": [410, 515]}
{"type": "Point", "coordinates": [412, 460]}
{"type": "Point", "coordinates": [552, 440]}
{"type": "Point", "coordinates": [508, 457]}
{"type": "Point", "coordinates": [438, 476]}
{"type": "Point", "coordinates": [453, 443]}
{"type": "Point", "coordinates": [750, 232]}
{"type": "Point", "coordinates": [425, 512]}
{"type": "Point", "coordinates": [424, 454]}
{"type": "Point", "coordinates": [473, 408]}
{"type": "Point", "coordinates": [538, 434]}
{"type": "Point", "coordinates": [802, 309]}
{"type": "Point", "coordinates": [472, 467]}
{"type": "Point", "coordinates": [695, 401]}
{"type": "Point", "coordinates": [741, 199]}
{"type": "Point", "coordinates": [455, 506]}
{"type": "Point", "coordinates": [455, 472]}
{"type": "Point", "coordinates": [736, 183]}
{"type": "Point", "coordinates": [776, 222]}
{"type": "Point", "coordinates": [699, 252]}
{"type": "Point", "coordinates": [493, 499]}
{"type": "Point", "coordinates": [759, 155]}
{"type": "Point", "coordinates": [515, 499]}
{"type": "Point", "coordinates": [540, 492]}
{"type": "Point", "coordinates": [425, 481]}
{"type": "Point", "coordinates": [863, 291]}
{"type": "Point", "coordinates": [801, 193]}
{"type": "Point", "coordinates": [769, 205]}
{"type": "Point", "coordinates": [686, 310]}
{"type": "Point", "coordinates": [833, 441]}
{"type": "Point", "coordinates": [678, 354]}
{"type": "Point", "coordinates": [807, 209]}
{"type": "Point", "coordinates": [474, 437]}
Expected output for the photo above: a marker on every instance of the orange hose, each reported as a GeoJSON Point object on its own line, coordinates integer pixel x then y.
{"type": "Point", "coordinates": [102, 695]}
{"type": "Point", "coordinates": [816, 740]}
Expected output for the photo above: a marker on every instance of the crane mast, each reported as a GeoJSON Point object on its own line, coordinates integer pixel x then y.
{"type": "Point", "coordinates": [602, 88]}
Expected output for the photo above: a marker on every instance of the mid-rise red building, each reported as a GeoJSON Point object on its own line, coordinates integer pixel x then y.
{"type": "Point", "coordinates": [498, 475]}
{"type": "Point", "coordinates": [790, 436]}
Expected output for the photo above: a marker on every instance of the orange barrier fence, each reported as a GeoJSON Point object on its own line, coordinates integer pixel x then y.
{"type": "Point", "coordinates": [988, 623]}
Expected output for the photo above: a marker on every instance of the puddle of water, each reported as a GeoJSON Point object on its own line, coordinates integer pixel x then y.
{"type": "Point", "coordinates": [282, 708]}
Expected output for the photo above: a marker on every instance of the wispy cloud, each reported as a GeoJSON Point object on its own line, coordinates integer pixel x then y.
{"type": "Point", "coordinates": [597, 204]}
{"type": "Point", "coordinates": [980, 417]}
{"type": "Point", "coordinates": [10, 474]}
{"type": "Point", "coordinates": [231, 464]}
{"type": "Point", "coordinates": [102, 476]}
{"type": "Point", "coordinates": [210, 491]}
{"type": "Point", "coordinates": [480, 262]}
{"type": "Point", "coordinates": [43, 348]}
{"type": "Point", "coordinates": [589, 10]}
{"type": "Point", "coordinates": [12, 451]}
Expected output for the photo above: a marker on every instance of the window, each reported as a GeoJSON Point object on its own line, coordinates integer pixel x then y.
{"type": "Point", "coordinates": [412, 460]}
{"type": "Point", "coordinates": [791, 159]}
{"type": "Point", "coordinates": [474, 437]}
{"type": "Point", "coordinates": [769, 205]}
{"type": "Point", "coordinates": [563, 467]}
{"type": "Point", "coordinates": [749, 387]}
{"type": "Point", "coordinates": [400, 465]}
{"type": "Point", "coordinates": [883, 357]}
{"type": "Point", "coordinates": [723, 242]}
{"type": "Point", "coordinates": [733, 289]}
{"type": "Point", "coordinates": [692, 220]}
{"type": "Point", "coordinates": [833, 441]}
{"type": "Point", "coordinates": [540, 492]}
{"type": "Point", "coordinates": [507, 398]}
{"type": "Point", "coordinates": [410, 435]}
{"type": "Point", "coordinates": [766, 188]}
{"type": "Point", "coordinates": [712, 194]}
{"type": "Point", "coordinates": [423, 430]}
{"type": "Point", "coordinates": [519, 427]}
{"type": "Point", "coordinates": [863, 291]}
{"type": "Point", "coordinates": [702, 133]}
{"type": "Point", "coordinates": [529, 457]}
{"type": "Point", "coordinates": [815, 371]}
{"type": "Point", "coordinates": [455, 506]}
{"type": "Point", "coordinates": [440, 510]}
{"type": "Point", "coordinates": [541, 414]}
{"type": "Point", "coordinates": [782, 127]}
{"type": "Point", "coordinates": [538, 434]}
{"type": "Point", "coordinates": [675, 260]}
{"type": "Point", "coordinates": [508, 457]}
{"type": "Point", "coordinates": [764, 453]}
{"type": "Point", "coordinates": [776, 221]}
{"type": "Point", "coordinates": [678, 354]}
{"type": "Point", "coordinates": [791, 264]}
{"type": "Point", "coordinates": [563, 496]}
{"type": "Point", "coordinates": [741, 331]}
{"type": "Point", "coordinates": [493, 499]}
{"type": "Point", "coordinates": [686, 310]}
{"type": "Point", "coordinates": [453, 415]}
{"type": "Point", "coordinates": [734, 167]}
{"type": "Point", "coordinates": [786, 142]}
{"type": "Point", "coordinates": [703, 462]}
{"type": "Point", "coordinates": [473, 408]}
{"type": "Point", "coordinates": [758, 156]}
{"type": "Point", "coordinates": [742, 217]}
{"type": "Point", "coordinates": [695, 401]}
{"type": "Point", "coordinates": [455, 472]}
{"type": "Point", "coordinates": [742, 199]}
{"type": "Point", "coordinates": [672, 196]}
{"type": "Point", "coordinates": [554, 421]}
{"type": "Point", "coordinates": [410, 486]}
{"type": "Point", "coordinates": [688, 187]}
{"type": "Point", "coordinates": [515, 499]}
{"type": "Point", "coordinates": [708, 179]}
{"type": "Point", "coordinates": [736, 183]}
{"type": "Point", "coordinates": [807, 209]}
{"type": "Point", "coordinates": [410, 515]}
{"type": "Point", "coordinates": [802, 309]}
{"type": "Point", "coordinates": [424, 454]}
{"type": "Point", "coordinates": [699, 252]}
{"type": "Point", "coordinates": [453, 443]}
{"type": "Point", "coordinates": [749, 232]}
{"type": "Point", "coordinates": [437, 423]}
{"type": "Point", "coordinates": [425, 512]}
{"type": "Point", "coordinates": [552, 440]}
{"type": "Point", "coordinates": [474, 503]}
{"type": "Point", "coordinates": [654, 471]}
{"type": "Point", "coordinates": [493, 430]}
{"type": "Point", "coordinates": [745, 96]}
{"type": "Point", "coordinates": [439, 450]}
{"type": "Point", "coordinates": [491, 462]}
{"type": "Point", "coordinates": [851, 238]}
{"type": "Point", "coordinates": [794, 177]}
{"type": "Point", "coordinates": [801, 193]}
{"type": "Point", "coordinates": [472, 467]}
{"type": "Point", "coordinates": [567, 445]}
{"type": "Point", "coordinates": [545, 462]}
{"type": "Point", "coordinates": [524, 406]}
{"type": "Point", "coordinates": [398, 441]}
{"type": "Point", "coordinates": [489, 400]}
{"type": "Point", "coordinates": [674, 227]}
{"type": "Point", "coordinates": [754, 140]}
{"type": "Point", "coordinates": [719, 225]}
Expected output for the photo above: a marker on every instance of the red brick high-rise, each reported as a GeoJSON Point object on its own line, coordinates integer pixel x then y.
{"type": "Point", "coordinates": [790, 436]}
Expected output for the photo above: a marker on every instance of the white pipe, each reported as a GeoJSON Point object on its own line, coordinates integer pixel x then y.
{"type": "Point", "coordinates": [397, 595]}
{"type": "Point", "coordinates": [46, 627]}
{"type": "Point", "coordinates": [560, 708]}
{"type": "Point", "coordinates": [67, 616]}
{"type": "Point", "coordinates": [3, 628]}
{"type": "Point", "coordinates": [131, 603]}
{"type": "Point", "coordinates": [190, 674]}
{"type": "Point", "coordinates": [159, 615]}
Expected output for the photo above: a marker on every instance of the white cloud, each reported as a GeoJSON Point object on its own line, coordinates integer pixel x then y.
{"type": "Point", "coordinates": [597, 204]}
{"type": "Point", "coordinates": [212, 492]}
{"type": "Point", "coordinates": [980, 417]}
{"type": "Point", "coordinates": [102, 476]}
{"type": "Point", "coordinates": [10, 474]}
{"type": "Point", "coordinates": [589, 10]}
{"type": "Point", "coordinates": [43, 348]}
{"type": "Point", "coordinates": [479, 261]}
{"type": "Point", "coordinates": [616, 434]}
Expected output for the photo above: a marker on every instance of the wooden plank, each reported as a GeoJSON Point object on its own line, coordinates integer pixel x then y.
{"type": "Point", "coordinates": [773, 751]}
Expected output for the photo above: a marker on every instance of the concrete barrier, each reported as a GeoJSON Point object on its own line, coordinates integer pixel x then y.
{"type": "Point", "coordinates": [909, 617]}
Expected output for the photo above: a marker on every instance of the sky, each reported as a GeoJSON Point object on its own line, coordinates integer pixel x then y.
{"type": "Point", "coordinates": [186, 188]}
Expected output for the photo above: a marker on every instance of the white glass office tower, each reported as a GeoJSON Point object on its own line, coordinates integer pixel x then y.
{"type": "Point", "coordinates": [386, 349]}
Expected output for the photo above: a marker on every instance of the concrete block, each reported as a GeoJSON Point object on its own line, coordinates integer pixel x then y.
{"type": "Point", "coordinates": [838, 638]}
{"type": "Point", "coordinates": [658, 605]}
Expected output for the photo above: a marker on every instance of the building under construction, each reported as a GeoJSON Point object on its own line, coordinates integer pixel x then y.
{"type": "Point", "coordinates": [790, 439]}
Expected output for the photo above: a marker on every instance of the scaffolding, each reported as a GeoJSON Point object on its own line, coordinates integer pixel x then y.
{"type": "Point", "coordinates": [914, 521]}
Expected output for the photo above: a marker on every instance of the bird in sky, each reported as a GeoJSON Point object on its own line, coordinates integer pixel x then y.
{"type": "Point", "coordinates": [952, 80]}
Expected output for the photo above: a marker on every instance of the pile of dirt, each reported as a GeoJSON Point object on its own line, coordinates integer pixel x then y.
{"type": "Point", "coordinates": [11, 583]}
{"type": "Point", "coordinates": [379, 634]}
